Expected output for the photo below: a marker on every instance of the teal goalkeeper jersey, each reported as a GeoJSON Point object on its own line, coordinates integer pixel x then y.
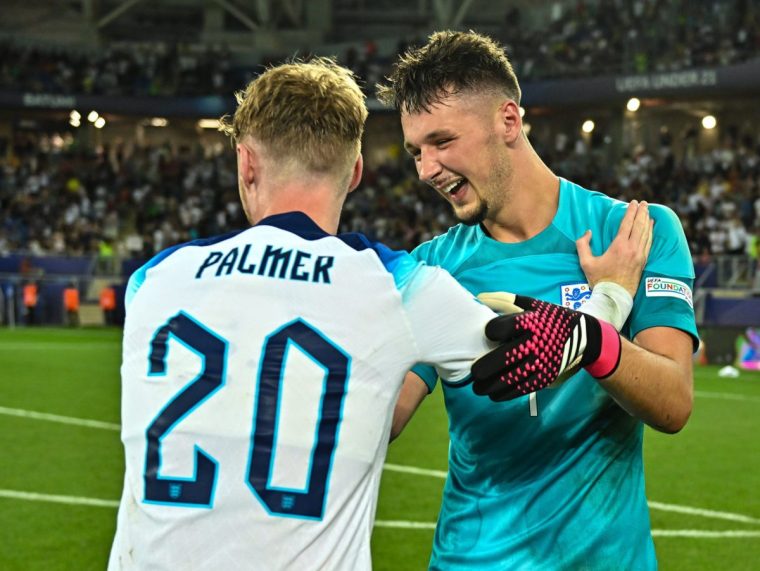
{"type": "Point", "coordinates": [553, 481]}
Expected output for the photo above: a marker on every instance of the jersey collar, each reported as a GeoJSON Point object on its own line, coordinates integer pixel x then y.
{"type": "Point", "coordinates": [295, 222]}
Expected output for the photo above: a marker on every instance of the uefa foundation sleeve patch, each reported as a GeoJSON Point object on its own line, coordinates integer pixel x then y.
{"type": "Point", "coordinates": [666, 287]}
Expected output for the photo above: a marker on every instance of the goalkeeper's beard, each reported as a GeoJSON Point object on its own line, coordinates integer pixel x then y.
{"type": "Point", "coordinates": [494, 192]}
{"type": "Point", "coordinates": [473, 218]}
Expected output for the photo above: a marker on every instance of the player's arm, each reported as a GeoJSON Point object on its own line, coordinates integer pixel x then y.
{"type": "Point", "coordinates": [447, 324]}
{"type": "Point", "coordinates": [654, 380]}
{"type": "Point", "coordinates": [650, 378]}
{"type": "Point", "coordinates": [608, 301]}
{"type": "Point", "coordinates": [547, 341]}
{"type": "Point", "coordinates": [615, 275]}
{"type": "Point", "coordinates": [413, 391]}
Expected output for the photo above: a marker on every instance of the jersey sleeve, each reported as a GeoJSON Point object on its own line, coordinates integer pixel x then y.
{"type": "Point", "coordinates": [133, 285]}
{"type": "Point", "coordinates": [447, 322]}
{"type": "Point", "coordinates": [427, 373]}
{"type": "Point", "coordinates": [664, 296]}
{"type": "Point", "coordinates": [137, 279]}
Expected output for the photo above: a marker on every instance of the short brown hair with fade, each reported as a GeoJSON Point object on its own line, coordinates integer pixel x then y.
{"type": "Point", "coordinates": [450, 63]}
{"type": "Point", "coordinates": [310, 114]}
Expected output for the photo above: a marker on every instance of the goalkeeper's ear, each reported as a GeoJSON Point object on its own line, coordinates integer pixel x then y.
{"type": "Point", "coordinates": [500, 301]}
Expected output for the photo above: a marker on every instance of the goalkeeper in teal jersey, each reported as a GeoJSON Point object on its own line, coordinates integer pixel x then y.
{"type": "Point", "coordinates": [552, 480]}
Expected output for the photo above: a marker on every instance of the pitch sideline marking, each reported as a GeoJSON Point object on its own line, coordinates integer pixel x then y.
{"type": "Point", "coordinates": [702, 534]}
{"type": "Point", "coordinates": [58, 418]}
{"type": "Point", "coordinates": [397, 524]}
{"type": "Point", "coordinates": [703, 513]}
{"type": "Point", "coordinates": [408, 469]}
{"type": "Point", "coordinates": [416, 471]}
{"type": "Point", "coordinates": [56, 499]}
{"type": "Point", "coordinates": [68, 345]}
{"type": "Point", "coordinates": [726, 396]}
{"type": "Point", "coordinates": [392, 524]}
{"type": "Point", "coordinates": [390, 467]}
{"type": "Point", "coordinates": [653, 505]}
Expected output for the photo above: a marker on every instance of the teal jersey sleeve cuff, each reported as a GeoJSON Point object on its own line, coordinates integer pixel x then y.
{"type": "Point", "coordinates": [427, 374]}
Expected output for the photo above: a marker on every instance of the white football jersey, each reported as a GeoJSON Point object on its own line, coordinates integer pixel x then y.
{"type": "Point", "coordinates": [260, 372]}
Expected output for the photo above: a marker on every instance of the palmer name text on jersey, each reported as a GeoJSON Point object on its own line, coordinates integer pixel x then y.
{"type": "Point", "coordinates": [272, 263]}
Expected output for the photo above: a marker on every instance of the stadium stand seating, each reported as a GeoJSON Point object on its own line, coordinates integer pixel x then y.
{"type": "Point", "coordinates": [75, 204]}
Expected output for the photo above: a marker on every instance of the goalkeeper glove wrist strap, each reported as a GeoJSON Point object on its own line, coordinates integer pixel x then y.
{"type": "Point", "coordinates": [610, 348]}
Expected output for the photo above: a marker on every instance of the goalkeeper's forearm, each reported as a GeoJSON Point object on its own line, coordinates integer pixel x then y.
{"type": "Point", "coordinates": [609, 302]}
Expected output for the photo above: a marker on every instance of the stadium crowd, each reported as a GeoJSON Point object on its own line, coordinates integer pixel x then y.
{"type": "Point", "coordinates": [641, 36]}
{"type": "Point", "coordinates": [716, 194]}
{"type": "Point", "coordinates": [133, 202]}
{"type": "Point", "coordinates": [581, 38]}
{"type": "Point", "coordinates": [134, 69]}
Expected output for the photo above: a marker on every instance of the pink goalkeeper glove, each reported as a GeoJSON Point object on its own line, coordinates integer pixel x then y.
{"type": "Point", "coordinates": [539, 345]}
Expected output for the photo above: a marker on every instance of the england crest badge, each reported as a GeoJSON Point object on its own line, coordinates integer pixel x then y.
{"type": "Point", "coordinates": [573, 296]}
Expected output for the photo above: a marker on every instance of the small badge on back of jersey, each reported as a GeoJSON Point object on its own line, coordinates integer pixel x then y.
{"type": "Point", "coordinates": [573, 296]}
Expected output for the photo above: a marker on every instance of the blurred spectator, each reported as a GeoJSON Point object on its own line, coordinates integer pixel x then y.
{"type": "Point", "coordinates": [581, 39]}
{"type": "Point", "coordinates": [105, 256]}
{"type": "Point", "coordinates": [71, 304]}
{"type": "Point", "coordinates": [125, 201]}
{"type": "Point", "coordinates": [108, 305]}
{"type": "Point", "coordinates": [30, 297]}
{"type": "Point", "coordinates": [131, 202]}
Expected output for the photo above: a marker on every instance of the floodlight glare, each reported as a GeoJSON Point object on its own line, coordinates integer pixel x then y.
{"type": "Point", "coordinates": [75, 116]}
{"type": "Point", "coordinates": [709, 122]}
{"type": "Point", "coordinates": [208, 123]}
{"type": "Point", "coordinates": [522, 111]}
{"type": "Point", "coordinates": [100, 123]}
{"type": "Point", "coordinates": [93, 116]}
{"type": "Point", "coordinates": [633, 104]}
{"type": "Point", "coordinates": [588, 126]}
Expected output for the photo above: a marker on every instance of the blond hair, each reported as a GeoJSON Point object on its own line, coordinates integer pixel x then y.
{"type": "Point", "coordinates": [309, 115]}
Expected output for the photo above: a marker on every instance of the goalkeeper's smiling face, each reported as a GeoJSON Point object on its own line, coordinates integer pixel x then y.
{"type": "Point", "coordinates": [458, 152]}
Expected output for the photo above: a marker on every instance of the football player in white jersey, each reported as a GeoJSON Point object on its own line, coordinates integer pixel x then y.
{"type": "Point", "coordinates": [260, 368]}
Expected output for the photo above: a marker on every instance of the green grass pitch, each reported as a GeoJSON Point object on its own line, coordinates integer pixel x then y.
{"type": "Point", "coordinates": [704, 483]}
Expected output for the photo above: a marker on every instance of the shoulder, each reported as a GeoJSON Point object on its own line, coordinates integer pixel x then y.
{"type": "Point", "coordinates": [666, 219]}
{"type": "Point", "coordinates": [199, 243]}
{"type": "Point", "coordinates": [670, 254]}
{"type": "Point", "coordinates": [137, 279]}
{"type": "Point", "coordinates": [610, 211]}
{"type": "Point", "coordinates": [667, 225]}
{"type": "Point", "coordinates": [399, 263]}
{"type": "Point", "coordinates": [448, 250]}
{"type": "Point", "coordinates": [581, 209]}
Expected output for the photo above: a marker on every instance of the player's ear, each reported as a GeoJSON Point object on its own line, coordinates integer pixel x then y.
{"type": "Point", "coordinates": [510, 122]}
{"type": "Point", "coordinates": [247, 165]}
{"type": "Point", "coordinates": [356, 175]}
